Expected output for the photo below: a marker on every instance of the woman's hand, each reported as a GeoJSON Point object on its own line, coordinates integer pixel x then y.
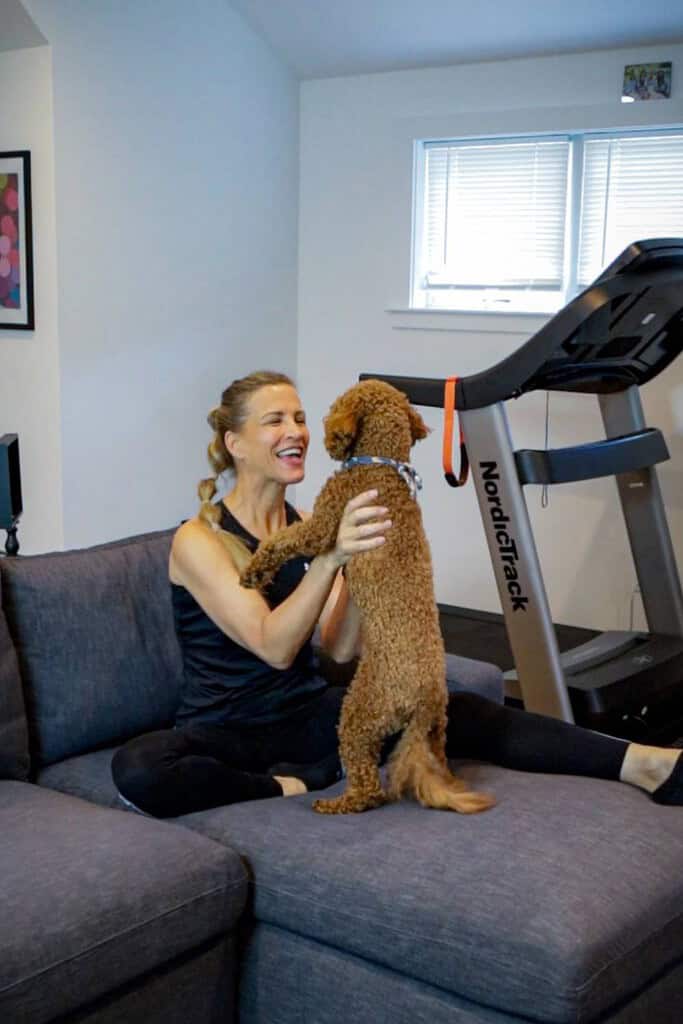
{"type": "Point", "coordinates": [362, 527]}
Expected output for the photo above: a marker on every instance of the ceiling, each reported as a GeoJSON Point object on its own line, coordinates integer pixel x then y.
{"type": "Point", "coordinates": [17, 30]}
{"type": "Point", "coordinates": [322, 38]}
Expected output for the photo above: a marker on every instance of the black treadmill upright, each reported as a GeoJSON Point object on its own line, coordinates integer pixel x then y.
{"type": "Point", "coordinates": [615, 336]}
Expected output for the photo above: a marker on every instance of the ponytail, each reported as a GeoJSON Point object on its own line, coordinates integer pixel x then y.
{"type": "Point", "coordinates": [208, 510]}
{"type": "Point", "coordinates": [230, 416]}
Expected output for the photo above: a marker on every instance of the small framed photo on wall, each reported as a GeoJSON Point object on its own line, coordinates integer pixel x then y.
{"type": "Point", "coordinates": [16, 242]}
{"type": "Point", "coordinates": [646, 82]}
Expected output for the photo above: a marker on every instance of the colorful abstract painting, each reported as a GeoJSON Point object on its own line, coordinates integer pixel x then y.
{"type": "Point", "coordinates": [9, 241]}
{"type": "Point", "coordinates": [16, 271]}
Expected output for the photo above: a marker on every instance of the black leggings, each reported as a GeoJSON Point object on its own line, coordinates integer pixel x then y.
{"type": "Point", "coordinates": [177, 771]}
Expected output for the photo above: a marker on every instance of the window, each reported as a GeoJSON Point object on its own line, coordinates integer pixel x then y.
{"type": "Point", "coordinates": [523, 224]}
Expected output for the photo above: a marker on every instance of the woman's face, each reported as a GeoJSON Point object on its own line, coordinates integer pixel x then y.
{"type": "Point", "coordinates": [274, 437]}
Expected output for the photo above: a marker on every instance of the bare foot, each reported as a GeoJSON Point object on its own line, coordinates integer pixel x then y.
{"type": "Point", "coordinates": [649, 768]}
{"type": "Point", "coordinates": [290, 786]}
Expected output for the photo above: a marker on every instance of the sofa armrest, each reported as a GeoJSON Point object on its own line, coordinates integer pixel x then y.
{"type": "Point", "coordinates": [475, 677]}
{"type": "Point", "coordinates": [461, 674]}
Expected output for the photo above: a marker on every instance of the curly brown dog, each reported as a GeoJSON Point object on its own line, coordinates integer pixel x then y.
{"type": "Point", "coordinates": [399, 685]}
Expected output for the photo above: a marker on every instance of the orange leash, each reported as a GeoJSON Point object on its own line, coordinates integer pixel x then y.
{"type": "Point", "coordinates": [449, 415]}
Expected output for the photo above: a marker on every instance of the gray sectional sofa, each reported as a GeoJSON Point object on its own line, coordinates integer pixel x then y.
{"type": "Point", "coordinates": [563, 904]}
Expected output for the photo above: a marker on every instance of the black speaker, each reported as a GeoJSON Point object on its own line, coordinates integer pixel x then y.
{"type": "Point", "coordinates": [10, 481]}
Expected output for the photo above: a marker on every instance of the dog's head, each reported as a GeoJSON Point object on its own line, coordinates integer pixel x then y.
{"type": "Point", "coordinates": [372, 418]}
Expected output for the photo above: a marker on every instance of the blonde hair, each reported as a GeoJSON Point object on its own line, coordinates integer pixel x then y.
{"type": "Point", "coordinates": [230, 415]}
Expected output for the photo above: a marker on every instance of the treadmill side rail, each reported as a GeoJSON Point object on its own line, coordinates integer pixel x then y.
{"type": "Point", "coordinates": [646, 523]}
{"type": "Point", "coordinates": [515, 561]}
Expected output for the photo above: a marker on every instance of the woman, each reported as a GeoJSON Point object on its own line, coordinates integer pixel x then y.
{"type": "Point", "coordinates": [256, 717]}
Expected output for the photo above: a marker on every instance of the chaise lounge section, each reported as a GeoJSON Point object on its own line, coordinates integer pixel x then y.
{"type": "Point", "coordinates": [563, 904]}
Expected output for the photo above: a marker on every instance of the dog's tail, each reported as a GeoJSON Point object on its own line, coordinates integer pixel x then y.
{"type": "Point", "coordinates": [414, 770]}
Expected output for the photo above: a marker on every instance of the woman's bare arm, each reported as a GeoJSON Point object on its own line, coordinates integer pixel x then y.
{"type": "Point", "coordinates": [201, 563]}
{"type": "Point", "coordinates": [340, 633]}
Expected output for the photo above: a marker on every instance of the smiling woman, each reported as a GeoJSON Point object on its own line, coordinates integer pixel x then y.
{"type": "Point", "coordinates": [235, 419]}
{"type": "Point", "coordinates": [273, 433]}
{"type": "Point", "coordinates": [259, 431]}
{"type": "Point", "coordinates": [256, 719]}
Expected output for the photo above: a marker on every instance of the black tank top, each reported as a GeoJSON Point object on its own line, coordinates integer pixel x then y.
{"type": "Point", "coordinates": [225, 683]}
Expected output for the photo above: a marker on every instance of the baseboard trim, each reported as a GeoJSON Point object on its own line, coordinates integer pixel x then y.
{"type": "Point", "coordinates": [470, 613]}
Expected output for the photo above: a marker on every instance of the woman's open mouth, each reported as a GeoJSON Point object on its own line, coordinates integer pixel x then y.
{"type": "Point", "coordinates": [292, 456]}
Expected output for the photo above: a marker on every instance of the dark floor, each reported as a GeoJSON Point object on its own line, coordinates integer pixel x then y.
{"type": "Point", "coordinates": [482, 636]}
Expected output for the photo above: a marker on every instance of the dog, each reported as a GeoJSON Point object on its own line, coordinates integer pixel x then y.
{"type": "Point", "coordinates": [400, 683]}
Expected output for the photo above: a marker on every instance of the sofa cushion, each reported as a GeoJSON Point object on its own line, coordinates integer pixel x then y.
{"type": "Point", "coordinates": [555, 906]}
{"type": "Point", "coordinates": [86, 775]}
{"type": "Point", "coordinates": [288, 978]}
{"type": "Point", "coordinates": [97, 650]}
{"type": "Point", "coordinates": [89, 775]}
{"type": "Point", "coordinates": [93, 898]}
{"type": "Point", "coordinates": [14, 756]}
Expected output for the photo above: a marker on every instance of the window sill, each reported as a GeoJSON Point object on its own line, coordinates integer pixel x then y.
{"type": "Point", "coordinates": [472, 322]}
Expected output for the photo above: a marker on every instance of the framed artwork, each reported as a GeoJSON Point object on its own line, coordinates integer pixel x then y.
{"type": "Point", "coordinates": [646, 82]}
{"type": "Point", "coordinates": [16, 242]}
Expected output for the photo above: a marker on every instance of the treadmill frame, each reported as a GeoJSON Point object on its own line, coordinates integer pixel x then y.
{"type": "Point", "coordinates": [515, 561]}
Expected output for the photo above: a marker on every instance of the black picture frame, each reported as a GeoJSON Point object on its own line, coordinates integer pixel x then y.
{"type": "Point", "coordinates": [16, 242]}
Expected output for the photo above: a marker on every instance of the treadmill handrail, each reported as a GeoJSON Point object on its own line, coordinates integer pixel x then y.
{"type": "Point", "coordinates": [608, 457]}
{"type": "Point", "coordinates": [507, 378]}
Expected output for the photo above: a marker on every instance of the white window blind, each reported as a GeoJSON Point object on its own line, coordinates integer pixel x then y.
{"type": "Point", "coordinates": [494, 214]}
{"type": "Point", "coordinates": [522, 224]}
{"type": "Point", "coordinates": [632, 189]}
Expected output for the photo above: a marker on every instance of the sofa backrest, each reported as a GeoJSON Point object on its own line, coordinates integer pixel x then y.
{"type": "Point", "coordinates": [14, 756]}
{"type": "Point", "coordinates": [94, 636]}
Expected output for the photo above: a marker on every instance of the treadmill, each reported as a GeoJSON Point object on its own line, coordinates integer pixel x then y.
{"type": "Point", "coordinates": [610, 340]}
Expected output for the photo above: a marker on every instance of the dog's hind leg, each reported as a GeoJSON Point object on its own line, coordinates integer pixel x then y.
{"type": "Point", "coordinates": [436, 736]}
{"type": "Point", "coordinates": [364, 786]}
{"type": "Point", "coordinates": [415, 769]}
{"type": "Point", "coordinates": [437, 744]}
{"type": "Point", "coordinates": [360, 743]}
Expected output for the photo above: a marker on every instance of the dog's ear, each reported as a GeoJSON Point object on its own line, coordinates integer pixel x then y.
{"type": "Point", "coordinates": [418, 427]}
{"type": "Point", "coordinates": [341, 428]}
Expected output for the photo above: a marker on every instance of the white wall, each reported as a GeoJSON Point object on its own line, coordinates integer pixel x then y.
{"type": "Point", "coordinates": [176, 141]}
{"type": "Point", "coordinates": [355, 228]}
{"type": "Point", "coordinates": [29, 360]}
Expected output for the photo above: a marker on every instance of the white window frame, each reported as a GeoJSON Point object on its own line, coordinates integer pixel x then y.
{"type": "Point", "coordinates": [533, 301]}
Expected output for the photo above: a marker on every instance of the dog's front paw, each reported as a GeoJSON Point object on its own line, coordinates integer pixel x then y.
{"type": "Point", "coordinates": [257, 575]}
